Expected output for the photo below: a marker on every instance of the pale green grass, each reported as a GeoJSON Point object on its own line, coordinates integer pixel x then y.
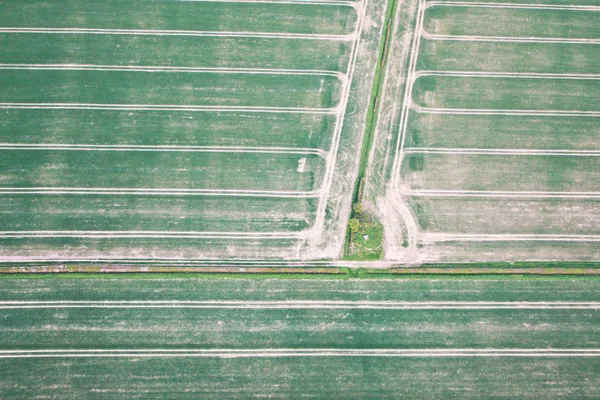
{"type": "Point", "coordinates": [161, 170]}
{"type": "Point", "coordinates": [551, 173]}
{"type": "Point", "coordinates": [512, 22]}
{"type": "Point", "coordinates": [502, 132]}
{"type": "Point", "coordinates": [557, 58]}
{"type": "Point", "coordinates": [166, 88]}
{"type": "Point", "coordinates": [174, 51]}
{"type": "Point", "coordinates": [334, 377]}
{"type": "Point", "coordinates": [507, 93]}
{"type": "Point", "coordinates": [179, 15]}
{"type": "Point", "coordinates": [508, 216]}
{"type": "Point", "coordinates": [182, 128]}
{"type": "Point", "coordinates": [154, 213]}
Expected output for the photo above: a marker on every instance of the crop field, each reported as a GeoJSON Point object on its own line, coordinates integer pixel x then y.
{"type": "Point", "coordinates": [170, 129]}
{"type": "Point", "coordinates": [224, 338]}
{"type": "Point", "coordinates": [497, 151]}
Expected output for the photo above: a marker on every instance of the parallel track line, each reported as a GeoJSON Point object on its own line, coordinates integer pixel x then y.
{"type": "Point", "coordinates": [271, 353]}
{"type": "Point", "coordinates": [151, 32]}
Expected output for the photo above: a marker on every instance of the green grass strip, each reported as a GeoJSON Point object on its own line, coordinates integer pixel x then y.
{"type": "Point", "coordinates": [468, 271]}
{"type": "Point", "coordinates": [373, 111]}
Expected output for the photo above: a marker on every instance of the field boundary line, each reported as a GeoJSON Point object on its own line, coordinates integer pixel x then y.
{"type": "Point", "coordinates": [296, 2]}
{"type": "Point", "coordinates": [501, 193]}
{"type": "Point", "coordinates": [526, 152]}
{"type": "Point", "coordinates": [164, 192]}
{"type": "Point", "coordinates": [507, 39]}
{"type": "Point", "coordinates": [286, 352]}
{"type": "Point", "coordinates": [250, 263]}
{"type": "Point", "coordinates": [516, 75]}
{"type": "Point", "coordinates": [166, 148]}
{"type": "Point", "coordinates": [487, 111]}
{"type": "Point", "coordinates": [168, 107]}
{"type": "Point", "coordinates": [302, 304]}
{"type": "Point", "coordinates": [560, 7]}
{"type": "Point", "coordinates": [158, 32]}
{"type": "Point", "coordinates": [150, 234]}
{"type": "Point", "coordinates": [427, 238]}
{"type": "Point", "coordinates": [170, 69]}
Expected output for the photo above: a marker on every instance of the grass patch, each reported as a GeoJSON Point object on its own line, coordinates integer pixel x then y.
{"type": "Point", "coordinates": [366, 237]}
{"type": "Point", "coordinates": [461, 272]}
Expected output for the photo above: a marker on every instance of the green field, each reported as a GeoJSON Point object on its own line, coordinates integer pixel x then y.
{"type": "Point", "coordinates": [161, 169]}
{"type": "Point", "coordinates": [225, 136]}
{"type": "Point", "coordinates": [227, 330]}
{"type": "Point", "coordinates": [507, 93]}
{"type": "Point", "coordinates": [180, 15]}
{"type": "Point", "coordinates": [501, 134]}
{"type": "Point", "coordinates": [183, 128]}
{"type": "Point", "coordinates": [173, 129]}
{"type": "Point", "coordinates": [517, 216]}
{"type": "Point", "coordinates": [169, 88]}
{"type": "Point", "coordinates": [542, 173]}
{"type": "Point", "coordinates": [186, 51]}
{"type": "Point", "coordinates": [154, 213]}
{"type": "Point", "coordinates": [509, 22]}
{"type": "Point", "coordinates": [562, 58]}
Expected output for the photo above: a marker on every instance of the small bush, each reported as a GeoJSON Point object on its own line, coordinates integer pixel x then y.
{"type": "Point", "coordinates": [354, 225]}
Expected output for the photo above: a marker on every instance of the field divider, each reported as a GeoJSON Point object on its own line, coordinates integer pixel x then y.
{"type": "Point", "coordinates": [166, 148]}
{"type": "Point", "coordinates": [171, 69]}
{"type": "Point", "coordinates": [309, 352]}
{"type": "Point", "coordinates": [506, 39]}
{"type": "Point", "coordinates": [141, 32]}
{"type": "Point", "coordinates": [560, 7]}
{"type": "Point", "coordinates": [484, 111]}
{"type": "Point", "coordinates": [526, 152]}
{"type": "Point", "coordinates": [302, 304]}
{"type": "Point", "coordinates": [164, 192]}
{"type": "Point", "coordinates": [427, 238]}
{"type": "Point", "coordinates": [149, 235]}
{"type": "Point", "coordinates": [169, 107]}
{"type": "Point", "coordinates": [500, 194]}
{"type": "Point", "coordinates": [296, 2]}
{"type": "Point", "coordinates": [516, 75]}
